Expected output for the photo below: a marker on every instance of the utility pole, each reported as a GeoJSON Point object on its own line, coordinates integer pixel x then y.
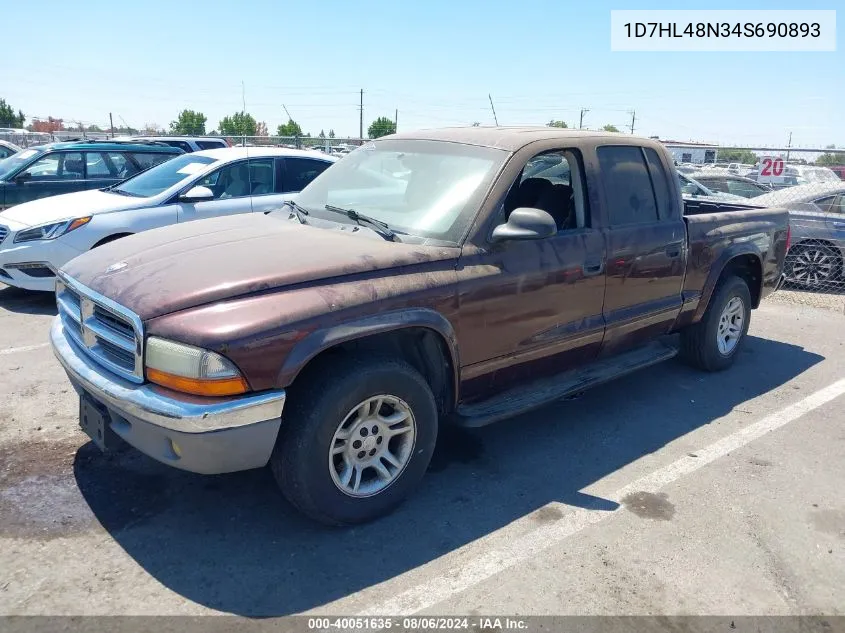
{"type": "Point", "coordinates": [396, 121]}
{"type": "Point", "coordinates": [361, 117]}
{"type": "Point", "coordinates": [243, 95]}
{"type": "Point", "coordinates": [495, 118]}
{"type": "Point", "coordinates": [633, 120]}
{"type": "Point", "coordinates": [111, 124]}
{"type": "Point", "coordinates": [581, 120]}
{"type": "Point", "coordinates": [788, 145]}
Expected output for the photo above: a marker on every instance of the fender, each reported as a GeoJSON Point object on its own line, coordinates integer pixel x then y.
{"type": "Point", "coordinates": [325, 338]}
{"type": "Point", "coordinates": [736, 249]}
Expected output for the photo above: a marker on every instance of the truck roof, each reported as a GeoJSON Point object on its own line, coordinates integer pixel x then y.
{"type": "Point", "coordinates": [513, 138]}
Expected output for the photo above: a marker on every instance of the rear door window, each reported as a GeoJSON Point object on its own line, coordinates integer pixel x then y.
{"type": "Point", "coordinates": [660, 182]}
{"type": "Point", "coordinates": [146, 160]}
{"type": "Point", "coordinates": [627, 185]}
{"type": "Point", "coordinates": [299, 172]}
{"type": "Point", "coordinates": [210, 144]}
{"type": "Point", "coordinates": [185, 147]}
{"type": "Point", "coordinates": [98, 165]}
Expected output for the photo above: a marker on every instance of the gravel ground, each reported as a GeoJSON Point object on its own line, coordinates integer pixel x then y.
{"type": "Point", "coordinates": [825, 301]}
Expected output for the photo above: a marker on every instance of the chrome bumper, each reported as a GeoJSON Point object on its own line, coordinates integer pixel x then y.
{"type": "Point", "coordinates": [213, 434]}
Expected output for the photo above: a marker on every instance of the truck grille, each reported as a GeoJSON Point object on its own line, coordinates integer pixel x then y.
{"type": "Point", "coordinates": [109, 333]}
{"type": "Point", "coordinates": [4, 231]}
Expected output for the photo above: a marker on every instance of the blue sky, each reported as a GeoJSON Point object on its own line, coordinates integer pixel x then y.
{"type": "Point", "coordinates": [436, 61]}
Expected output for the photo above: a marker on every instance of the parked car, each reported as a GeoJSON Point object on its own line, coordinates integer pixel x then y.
{"type": "Point", "coordinates": [38, 237]}
{"type": "Point", "coordinates": [56, 168]}
{"type": "Point", "coordinates": [816, 258]}
{"type": "Point", "coordinates": [334, 338]}
{"type": "Point", "coordinates": [726, 182]}
{"type": "Point", "coordinates": [7, 149]}
{"type": "Point", "coordinates": [839, 170]}
{"type": "Point", "coordinates": [690, 187]}
{"type": "Point", "coordinates": [813, 174]}
{"type": "Point", "coordinates": [187, 144]}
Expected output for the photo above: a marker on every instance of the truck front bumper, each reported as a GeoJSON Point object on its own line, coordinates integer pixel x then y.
{"type": "Point", "coordinates": [202, 435]}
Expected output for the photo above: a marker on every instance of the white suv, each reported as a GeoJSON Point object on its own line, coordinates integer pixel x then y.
{"type": "Point", "coordinates": [38, 237]}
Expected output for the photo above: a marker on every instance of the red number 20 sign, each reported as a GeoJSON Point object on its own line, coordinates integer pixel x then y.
{"type": "Point", "coordinates": [771, 169]}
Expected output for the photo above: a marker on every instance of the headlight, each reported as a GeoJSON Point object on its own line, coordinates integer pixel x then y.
{"type": "Point", "coordinates": [192, 369]}
{"type": "Point", "coordinates": [51, 231]}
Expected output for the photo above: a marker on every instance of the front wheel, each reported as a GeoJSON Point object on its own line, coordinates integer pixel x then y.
{"type": "Point", "coordinates": [356, 439]}
{"type": "Point", "coordinates": [712, 343]}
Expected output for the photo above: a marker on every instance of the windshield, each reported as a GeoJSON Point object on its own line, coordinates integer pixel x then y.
{"type": "Point", "coordinates": [425, 188]}
{"type": "Point", "coordinates": [161, 177]}
{"type": "Point", "coordinates": [10, 165]}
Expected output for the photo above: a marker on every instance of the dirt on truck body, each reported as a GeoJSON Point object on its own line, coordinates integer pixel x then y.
{"type": "Point", "coordinates": [452, 276]}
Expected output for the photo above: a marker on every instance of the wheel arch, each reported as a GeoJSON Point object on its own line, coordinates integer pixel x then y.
{"type": "Point", "coordinates": [111, 238]}
{"type": "Point", "coordinates": [741, 260]}
{"type": "Point", "coordinates": [423, 337]}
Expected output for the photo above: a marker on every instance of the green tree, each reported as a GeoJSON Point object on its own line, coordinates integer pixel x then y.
{"type": "Point", "coordinates": [331, 133]}
{"type": "Point", "coordinates": [610, 128]}
{"type": "Point", "coordinates": [93, 128]}
{"type": "Point", "coordinates": [475, 124]}
{"type": "Point", "coordinates": [382, 126]}
{"type": "Point", "coordinates": [238, 124]}
{"type": "Point", "coordinates": [189, 122]}
{"type": "Point", "coordinates": [554, 123]}
{"type": "Point", "coordinates": [291, 128]}
{"type": "Point", "coordinates": [322, 134]}
{"type": "Point", "coordinates": [8, 118]}
{"type": "Point", "coordinates": [831, 158]}
{"type": "Point", "coordinates": [745, 156]}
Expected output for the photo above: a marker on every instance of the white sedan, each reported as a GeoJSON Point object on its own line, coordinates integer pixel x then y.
{"type": "Point", "coordinates": [38, 237]}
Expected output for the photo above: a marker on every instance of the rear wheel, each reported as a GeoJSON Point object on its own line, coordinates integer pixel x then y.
{"type": "Point", "coordinates": [712, 343]}
{"type": "Point", "coordinates": [357, 437]}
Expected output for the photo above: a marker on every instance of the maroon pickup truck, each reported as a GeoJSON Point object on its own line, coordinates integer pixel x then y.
{"type": "Point", "coordinates": [453, 276]}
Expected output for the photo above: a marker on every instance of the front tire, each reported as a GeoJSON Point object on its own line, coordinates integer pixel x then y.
{"type": "Point", "coordinates": [357, 437]}
{"type": "Point", "coordinates": [713, 343]}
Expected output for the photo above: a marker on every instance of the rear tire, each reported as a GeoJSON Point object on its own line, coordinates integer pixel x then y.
{"type": "Point", "coordinates": [357, 437]}
{"type": "Point", "coordinates": [713, 343]}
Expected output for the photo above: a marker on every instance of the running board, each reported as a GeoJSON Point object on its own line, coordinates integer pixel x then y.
{"type": "Point", "coordinates": [542, 392]}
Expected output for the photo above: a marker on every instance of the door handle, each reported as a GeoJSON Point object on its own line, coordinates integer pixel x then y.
{"type": "Point", "coordinates": [592, 269]}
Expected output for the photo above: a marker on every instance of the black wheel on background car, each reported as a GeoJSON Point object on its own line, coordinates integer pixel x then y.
{"type": "Point", "coordinates": [712, 343]}
{"type": "Point", "coordinates": [357, 437]}
{"type": "Point", "coordinates": [814, 265]}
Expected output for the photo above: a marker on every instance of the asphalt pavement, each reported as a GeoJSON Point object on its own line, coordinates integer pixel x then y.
{"type": "Point", "coordinates": [670, 491]}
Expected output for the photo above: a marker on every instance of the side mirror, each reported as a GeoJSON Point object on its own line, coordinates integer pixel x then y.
{"type": "Point", "coordinates": [22, 177]}
{"type": "Point", "coordinates": [526, 223]}
{"type": "Point", "coordinates": [197, 194]}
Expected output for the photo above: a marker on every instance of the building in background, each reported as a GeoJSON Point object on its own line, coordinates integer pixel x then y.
{"type": "Point", "coordinates": [689, 152]}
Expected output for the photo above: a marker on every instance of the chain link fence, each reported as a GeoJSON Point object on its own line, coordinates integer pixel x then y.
{"type": "Point", "coordinates": [807, 182]}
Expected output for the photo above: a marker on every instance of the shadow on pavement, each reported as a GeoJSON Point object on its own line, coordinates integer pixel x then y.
{"type": "Point", "coordinates": [27, 301]}
{"type": "Point", "coordinates": [232, 543]}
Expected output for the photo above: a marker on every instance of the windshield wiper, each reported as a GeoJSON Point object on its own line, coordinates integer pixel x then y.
{"type": "Point", "coordinates": [121, 192]}
{"type": "Point", "coordinates": [298, 210]}
{"type": "Point", "coordinates": [382, 228]}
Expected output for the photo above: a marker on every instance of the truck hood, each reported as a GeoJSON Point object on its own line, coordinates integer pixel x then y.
{"type": "Point", "coordinates": [178, 267]}
{"type": "Point", "coordinates": [70, 205]}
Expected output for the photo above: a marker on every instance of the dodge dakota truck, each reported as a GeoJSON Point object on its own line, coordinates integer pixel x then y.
{"type": "Point", "coordinates": [455, 276]}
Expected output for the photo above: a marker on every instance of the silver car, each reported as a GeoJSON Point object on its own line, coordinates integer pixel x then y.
{"type": "Point", "coordinates": [816, 258]}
